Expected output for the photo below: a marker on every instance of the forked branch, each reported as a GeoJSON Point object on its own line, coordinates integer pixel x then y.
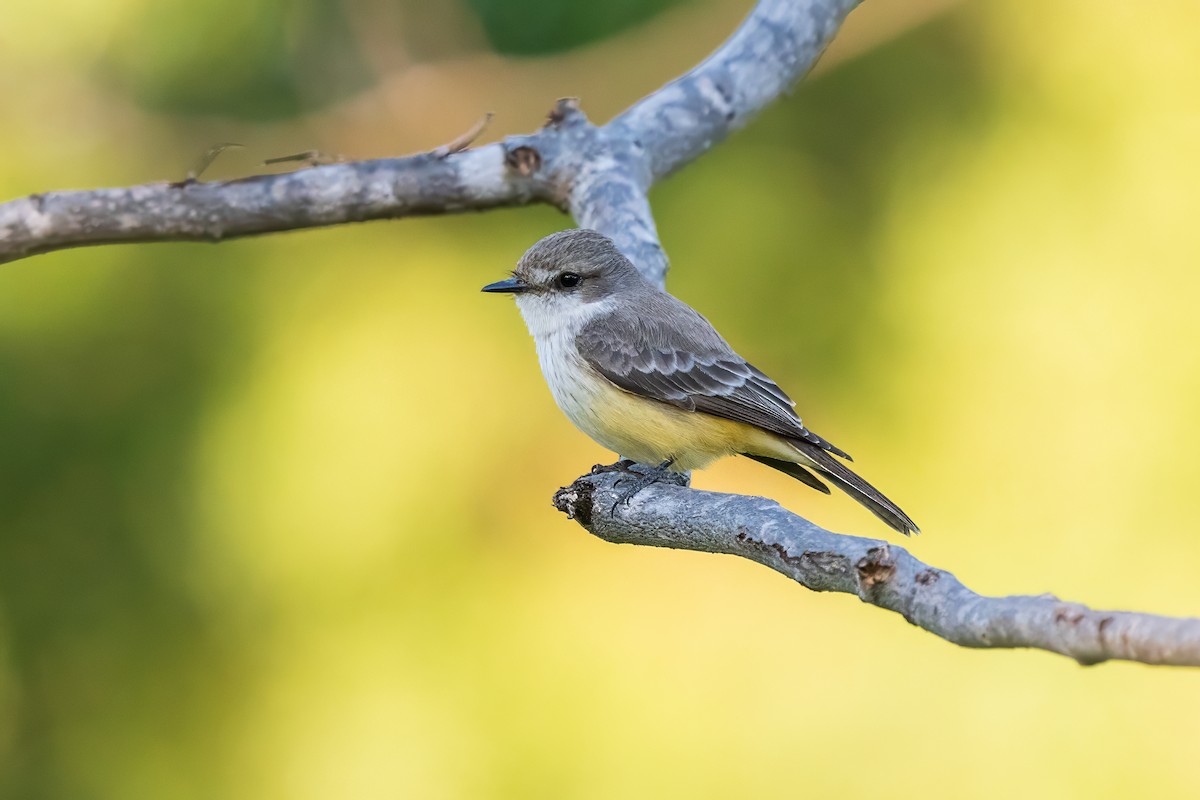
{"type": "Point", "coordinates": [601, 175]}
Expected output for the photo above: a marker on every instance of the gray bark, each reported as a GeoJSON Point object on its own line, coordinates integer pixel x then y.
{"type": "Point", "coordinates": [601, 175]}
{"type": "Point", "coordinates": [877, 572]}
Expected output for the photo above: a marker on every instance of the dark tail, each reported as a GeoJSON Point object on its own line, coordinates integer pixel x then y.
{"type": "Point", "coordinates": [795, 470]}
{"type": "Point", "coordinates": [840, 476]}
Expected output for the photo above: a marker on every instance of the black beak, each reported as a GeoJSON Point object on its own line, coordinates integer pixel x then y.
{"type": "Point", "coordinates": [510, 286]}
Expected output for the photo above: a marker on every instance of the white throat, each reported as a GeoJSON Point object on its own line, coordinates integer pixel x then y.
{"type": "Point", "coordinates": [555, 322]}
{"type": "Point", "coordinates": [554, 316]}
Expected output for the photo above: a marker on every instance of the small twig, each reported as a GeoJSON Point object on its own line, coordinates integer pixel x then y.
{"type": "Point", "coordinates": [313, 158]}
{"type": "Point", "coordinates": [463, 142]}
{"type": "Point", "coordinates": [562, 110]}
{"type": "Point", "coordinates": [206, 159]}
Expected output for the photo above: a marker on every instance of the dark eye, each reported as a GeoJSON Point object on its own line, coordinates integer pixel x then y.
{"type": "Point", "coordinates": [569, 280]}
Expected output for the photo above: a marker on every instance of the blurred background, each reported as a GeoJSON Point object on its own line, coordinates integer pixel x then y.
{"type": "Point", "coordinates": [275, 515]}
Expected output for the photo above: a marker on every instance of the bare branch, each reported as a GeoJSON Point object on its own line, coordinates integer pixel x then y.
{"type": "Point", "coordinates": [600, 174]}
{"type": "Point", "coordinates": [877, 572]}
{"type": "Point", "coordinates": [774, 48]}
{"type": "Point", "coordinates": [308, 198]}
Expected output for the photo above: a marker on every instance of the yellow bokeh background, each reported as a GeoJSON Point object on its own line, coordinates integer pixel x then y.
{"type": "Point", "coordinates": [274, 514]}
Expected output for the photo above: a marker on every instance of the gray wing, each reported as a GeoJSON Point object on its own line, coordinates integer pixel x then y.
{"type": "Point", "coordinates": [686, 363]}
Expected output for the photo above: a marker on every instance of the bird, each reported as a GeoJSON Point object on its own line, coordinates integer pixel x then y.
{"type": "Point", "coordinates": [647, 376]}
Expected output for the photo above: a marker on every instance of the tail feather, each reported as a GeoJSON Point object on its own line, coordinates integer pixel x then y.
{"type": "Point", "coordinates": [795, 470]}
{"type": "Point", "coordinates": [820, 461]}
{"type": "Point", "coordinates": [840, 476]}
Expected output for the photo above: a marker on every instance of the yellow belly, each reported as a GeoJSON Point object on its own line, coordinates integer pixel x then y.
{"type": "Point", "coordinates": [645, 430]}
{"type": "Point", "coordinates": [652, 432]}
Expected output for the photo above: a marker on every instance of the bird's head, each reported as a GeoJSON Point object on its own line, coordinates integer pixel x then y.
{"type": "Point", "coordinates": [567, 278]}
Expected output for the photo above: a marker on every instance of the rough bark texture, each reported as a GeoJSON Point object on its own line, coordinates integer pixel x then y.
{"type": "Point", "coordinates": [307, 198]}
{"type": "Point", "coordinates": [877, 572]}
{"type": "Point", "coordinates": [601, 175]}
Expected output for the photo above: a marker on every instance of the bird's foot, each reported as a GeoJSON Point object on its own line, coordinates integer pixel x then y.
{"type": "Point", "coordinates": [621, 466]}
{"type": "Point", "coordinates": [642, 480]}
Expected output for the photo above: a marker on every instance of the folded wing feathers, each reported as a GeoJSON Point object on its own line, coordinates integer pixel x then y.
{"type": "Point", "coordinates": [696, 372]}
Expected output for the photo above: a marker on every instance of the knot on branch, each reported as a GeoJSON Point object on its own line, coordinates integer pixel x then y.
{"type": "Point", "coordinates": [524, 159]}
{"type": "Point", "coordinates": [876, 567]}
{"type": "Point", "coordinates": [927, 577]}
{"type": "Point", "coordinates": [566, 112]}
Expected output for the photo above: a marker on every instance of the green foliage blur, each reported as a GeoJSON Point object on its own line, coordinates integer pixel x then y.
{"type": "Point", "coordinates": [257, 61]}
{"type": "Point", "coordinates": [274, 514]}
{"type": "Point", "coordinates": [538, 27]}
